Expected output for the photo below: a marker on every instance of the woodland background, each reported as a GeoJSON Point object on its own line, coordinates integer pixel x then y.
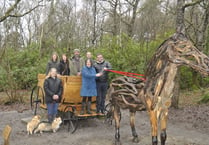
{"type": "Point", "coordinates": [126, 32]}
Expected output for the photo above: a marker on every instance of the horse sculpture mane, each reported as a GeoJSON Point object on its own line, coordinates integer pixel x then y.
{"type": "Point", "coordinates": [156, 92]}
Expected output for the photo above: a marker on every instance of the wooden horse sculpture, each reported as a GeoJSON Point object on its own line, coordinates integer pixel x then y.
{"type": "Point", "coordinates": [156, 92]}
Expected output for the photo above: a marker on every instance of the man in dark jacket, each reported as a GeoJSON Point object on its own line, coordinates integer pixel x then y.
{"type": "Point", "coordinates": [53, 92]}
{"type": "Point", "coordinates": [102, 82]}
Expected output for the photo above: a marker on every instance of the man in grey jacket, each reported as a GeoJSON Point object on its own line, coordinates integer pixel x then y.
{"type": "Point", "coordinates": [76, 63]}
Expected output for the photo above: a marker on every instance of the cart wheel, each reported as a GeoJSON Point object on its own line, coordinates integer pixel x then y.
{"type": "Point", "coordinates": [109, 108]}
{"type": "Point", "coordinates": [35, 98]}
{"type": "Point", "coordinates": [72, 122]}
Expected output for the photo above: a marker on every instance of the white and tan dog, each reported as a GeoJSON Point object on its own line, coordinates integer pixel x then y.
{"type": "Point", "coordinates": [33, 124]}
{"type": "Point", "coordinates": [45, 126]}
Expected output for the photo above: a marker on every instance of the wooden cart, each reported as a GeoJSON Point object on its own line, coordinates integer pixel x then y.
{"type": "Point", "coordinates": [70, 105]}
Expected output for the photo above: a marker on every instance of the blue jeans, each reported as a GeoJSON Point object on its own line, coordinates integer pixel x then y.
{"type": "Point", "coordinates": [101, 95]}
{"type": "Point", "coordinates": [52, 111]}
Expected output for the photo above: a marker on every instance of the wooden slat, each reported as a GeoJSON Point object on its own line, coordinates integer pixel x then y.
{"type": "Point", "coordinates": [6, 134]}
{"type": "Point", "coordinates": [71, 93]}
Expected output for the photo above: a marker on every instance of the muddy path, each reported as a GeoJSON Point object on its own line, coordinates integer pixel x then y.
{"type": "Point", "coordinates": [186, 126]}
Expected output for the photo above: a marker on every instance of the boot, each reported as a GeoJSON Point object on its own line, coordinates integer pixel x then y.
{"type": "Point", "coordinates": [54, 116]}
{"type": "Point", "coordinates": [89, 107]}
{"type": "Point", "coordinates": [50, 118]}
{"type": "Point", "coordinates": [83, 108]}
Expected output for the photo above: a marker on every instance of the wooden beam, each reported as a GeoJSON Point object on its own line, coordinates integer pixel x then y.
{"type": "Point", "coordinates": [6, 134]}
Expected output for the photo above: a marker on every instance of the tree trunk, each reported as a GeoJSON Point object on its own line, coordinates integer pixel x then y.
{"type": "Point", "coordinates": [202, 32]}
{"type": "Point", "coordinates": [95, 19]}
{"type": "Point", "coordinates": [133, 18]}
{"type": "Point", "coordinates": [176, 92]}
{"type": "Point", "coordinates": [180, 28]}
{"type": "Point", "coordinates": [115, 18]}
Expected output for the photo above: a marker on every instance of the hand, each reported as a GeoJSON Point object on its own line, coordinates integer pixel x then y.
{"type": "Point", "coordinates": [98, 74]}
{"type": "Point", "coordinates": [105, 68]}
{"type": "Point", "coordinates": [79, 73]}
{"type": "Point", "coordinates": [55, 97]}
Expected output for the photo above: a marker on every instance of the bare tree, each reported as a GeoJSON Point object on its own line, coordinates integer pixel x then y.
{"type": "Point", "coordinates": [114, 17]}
{"type": "Point", "coordinates": [12, 10]}
{"type": "Point", "coordinates": [95, 20]}
{"type": "Point", "coordinates": [131, 22]}
{"type": "Point", "coordinates": [9, 12]}
{"type": "Point", "coordinates": [180, 28]}
{"type": "Point", "coordinates": [197, 21]}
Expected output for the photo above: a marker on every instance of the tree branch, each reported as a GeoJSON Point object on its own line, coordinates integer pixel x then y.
{"type": "Point", "coordinates": [21, 15]}
{"type": "Point", "coordinates": [130, 3]}
{"type": "Point", "coordinates": [192, 3]}
{"type": "Point", "coordinates": [7, 13]}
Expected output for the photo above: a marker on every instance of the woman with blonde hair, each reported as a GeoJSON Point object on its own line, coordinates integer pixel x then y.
{"type": "Point", "coordinates": [53, 91]}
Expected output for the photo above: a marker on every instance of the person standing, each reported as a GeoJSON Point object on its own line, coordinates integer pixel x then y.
{"type": "Point", "coordinates": [64, 66]}
{"type": "Point", "coordinates": [53, 91]}
{"type": "Point", "coordinates": [89, 56]}
{"type": "Point", "coordinates": [76, 63]}
{"type": "Point", "coordinates": [88, 88]}
{"type": "Point", "coordinates": [102, 82]}
{"type": "Point", "coordinates": [53, 63]}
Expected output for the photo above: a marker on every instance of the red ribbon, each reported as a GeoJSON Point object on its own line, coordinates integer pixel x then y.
{"type": "Point", "coordinates": [133, 75]}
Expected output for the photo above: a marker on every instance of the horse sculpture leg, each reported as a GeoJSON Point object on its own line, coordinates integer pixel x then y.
{"type": "Point", "coordinates": [132, 124]}
{"type": "Point", "coordinates": [154, 126]}
{"type": "Point", "coordinates": [117, 125]}
{"type": "Point", "coordinates": [163, 123]}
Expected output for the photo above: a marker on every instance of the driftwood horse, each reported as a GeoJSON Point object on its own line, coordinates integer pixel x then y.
{"type": "Point", "coordinates": [156, 92]}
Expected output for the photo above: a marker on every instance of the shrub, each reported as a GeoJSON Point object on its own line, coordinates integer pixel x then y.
{"type": "Point", "coordinates": [19, 70]}
{"type": "Point", "coordinates": [204, 98]}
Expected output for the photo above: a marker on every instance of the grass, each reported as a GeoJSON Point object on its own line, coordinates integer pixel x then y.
{"type": "Point", "coordinates": [23, 96]}
{"type": "Point", "coordinates": [192, 97]}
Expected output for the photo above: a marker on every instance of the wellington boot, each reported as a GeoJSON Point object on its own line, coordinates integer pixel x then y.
{"type": "Point", "coordinates": [89, 107]}
{"type": "Point", "coordinates": [83, 108]}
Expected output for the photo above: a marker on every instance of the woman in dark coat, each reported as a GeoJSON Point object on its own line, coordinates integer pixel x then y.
{"type": "Point", "coordinates": [53, 91]}
{"type": "Point", "coordinates": [64, 66]}
{"type": "Point", "coordinates": [88, 88]}
{"type": "Point", "coordinates": [53, 63]}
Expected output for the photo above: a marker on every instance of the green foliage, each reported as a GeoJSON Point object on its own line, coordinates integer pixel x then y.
{"type": "Point", "coordinates": [19, 70]}
{"type": "Point", "coordinates": [24, 67]}
{"type": "Point", "coordinates": [127, 55]}
{"type": "Point", "coordinates": [192, 80]}
{"type": "Point", "coordinates": [186, 78]}
{"type": "Point", "coordinates": [204, 98]}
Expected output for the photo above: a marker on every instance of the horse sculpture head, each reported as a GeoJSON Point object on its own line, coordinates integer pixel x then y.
{"type": "Point", "coordinates": [177, 50]}
{"type": "Point", "coordinates": [183, 52]}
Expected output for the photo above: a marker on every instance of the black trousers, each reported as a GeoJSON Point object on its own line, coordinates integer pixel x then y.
{"type": "Point", "coordinates": [101, 95]}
